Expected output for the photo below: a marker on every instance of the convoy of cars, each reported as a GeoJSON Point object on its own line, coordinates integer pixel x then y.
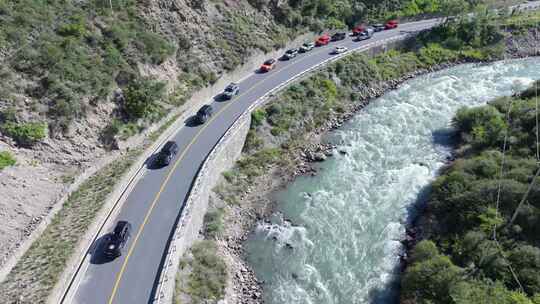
{"type": "Point", "coordinates": [114, 242]}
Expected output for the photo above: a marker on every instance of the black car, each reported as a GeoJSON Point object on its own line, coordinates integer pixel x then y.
{"type": "Point", "coordinates": [378, 27]}
{"type": "Point", "coordinates": [231, 90]}
{"type": "Point", "coordinates": [339, 36]}
{"type": "Point", "coordinates": [289, 54]}
{"type": "Point", "coordinates": [204, 113]}
{"type": "Point", "coordinates": [115, 241]}
{"type": "Point", "coordinates": [167, 153]}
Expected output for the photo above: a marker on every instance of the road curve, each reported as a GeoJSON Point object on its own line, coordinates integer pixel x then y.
{"type": "Point", "coordinates": [157, 200]}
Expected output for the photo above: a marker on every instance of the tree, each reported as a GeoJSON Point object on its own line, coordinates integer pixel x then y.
{"type": "Point", "coordinates": [430, 276]}
{"type": "Point", "coordinates": [453, 7]}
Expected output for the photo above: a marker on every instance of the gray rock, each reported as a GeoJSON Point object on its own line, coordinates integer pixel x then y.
{"type": "Point", "coordinates": [319, 157]}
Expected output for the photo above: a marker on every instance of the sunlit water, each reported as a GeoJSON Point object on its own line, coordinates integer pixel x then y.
{"type": "Point", "coordinates": [340, 243]}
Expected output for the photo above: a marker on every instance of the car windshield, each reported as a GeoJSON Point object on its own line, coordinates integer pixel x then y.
{"type": "Point", "coordinates": [269, 62]}
{"type": "Point", "coordinates": [229, 88]}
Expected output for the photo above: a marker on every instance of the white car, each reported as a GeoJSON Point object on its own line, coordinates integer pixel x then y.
{"type": "Point", "coordinates": [340, 50]}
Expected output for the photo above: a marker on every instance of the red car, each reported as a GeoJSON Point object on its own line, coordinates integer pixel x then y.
{"type": "Point", "coordinates": [323, 40]}
{"type": "Point", "coordinates": [268, 65]}
{"type": "Point", "coordinates": [359, 29]}
{"type": "Point", "coordinates": [392, 24]}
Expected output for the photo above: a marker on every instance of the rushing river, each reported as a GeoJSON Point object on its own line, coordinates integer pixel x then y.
{"type": "Point", "coordinates": [340, 242]}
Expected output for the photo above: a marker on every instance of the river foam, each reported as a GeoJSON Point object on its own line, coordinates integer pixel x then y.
{"type": "Point", "coordinates": [335, 239]}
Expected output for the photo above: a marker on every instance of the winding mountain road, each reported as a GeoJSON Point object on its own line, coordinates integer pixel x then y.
{"type": "Point", "coordinates": [158, 198]}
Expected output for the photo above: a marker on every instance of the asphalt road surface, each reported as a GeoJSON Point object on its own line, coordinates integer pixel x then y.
{"type": "Point", "coordinates": [157, 199]}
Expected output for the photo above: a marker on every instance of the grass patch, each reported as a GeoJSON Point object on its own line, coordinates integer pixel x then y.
{"type": "Point", "coordinates": [208, 277]}
{"type": "Point", "coordinates": [6, 159]}
{"type": "Point", "coordinates": [25, 134]}
{"type": "Point", "coordinates": [38, 270]}
{"type": "Point", "coordinates": [213, 223]}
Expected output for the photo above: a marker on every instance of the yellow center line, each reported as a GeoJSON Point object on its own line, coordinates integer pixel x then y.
{"type": "Point", "coordinates": [164, 184]}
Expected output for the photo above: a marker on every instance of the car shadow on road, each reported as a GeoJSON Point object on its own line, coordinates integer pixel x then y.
{"type": "Point", "coordinates": [97, 251]}
{"type": "Point", "coordinates": [259, 71]}
{"type": "Point", "coordinates": [283, 58]}
{"type": "Point", "coordinates": [192, 122]}
{"type": "Point", "coordinates": [220, 98]}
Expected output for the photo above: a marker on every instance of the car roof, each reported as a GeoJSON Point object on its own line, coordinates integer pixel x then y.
{"type": "Point", "coordinates": [120, 225]}
{"type": "Point", "coordinates": [205, 108]}
{"type": "Point", "coordinates": [232, 85]}
{"type": "Point", "coordinates": [168, 145]}
{"type": "Point", "coordinates": [270, 61]}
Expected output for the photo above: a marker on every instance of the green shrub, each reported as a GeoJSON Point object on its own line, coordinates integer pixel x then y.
{"type": "Point", "coordinates": [141, 97]}
{"type": "Point", "coordinates": [482, 126]}
{"type": "Point", "coordinates": [434, 53]}
{"type": "Point", "coordinates": [257, 117]}
{"type": "Point", "coordinates": [76, 29]}
{"type": "Point", "coordinates": [6, 159]}
{"type": "Point", "coordinates": [25, 134]}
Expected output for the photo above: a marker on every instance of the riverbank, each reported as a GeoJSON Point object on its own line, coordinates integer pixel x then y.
{"type": "Point", "coordinates": [245, 203]}
{"type": "Point", "coordinates": [478, 232]}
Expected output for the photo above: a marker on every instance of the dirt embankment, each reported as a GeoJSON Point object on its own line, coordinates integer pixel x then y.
{"type": "Point", "coordinates": [256, 203]}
